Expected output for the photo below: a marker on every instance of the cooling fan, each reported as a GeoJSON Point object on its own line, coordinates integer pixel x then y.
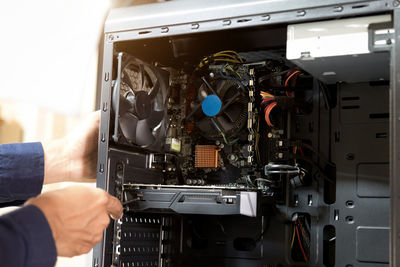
{"type": "Point", "coordinates": [139, 97]}
{"type": "Point", "coordinates": [223, 106]}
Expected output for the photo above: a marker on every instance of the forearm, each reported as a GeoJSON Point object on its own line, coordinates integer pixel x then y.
{"type": "Point", "coordinates": [21, 171]}
{"type": "Point", "coordinates": [67, 160]}
{"type": "Point", "coordinates": [26, 239]}
{"type": "Point", "coordinates": [57, 162]}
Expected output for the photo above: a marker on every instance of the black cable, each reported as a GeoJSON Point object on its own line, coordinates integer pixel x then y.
{"type": "Point", "coordinates": [325, 94]}
{"type": "Point", "coordinates": [266, 227]}
{"type": "Point", "coordinates": [268, 76]}
{"type": "Point", "coordinates": [314, 164]}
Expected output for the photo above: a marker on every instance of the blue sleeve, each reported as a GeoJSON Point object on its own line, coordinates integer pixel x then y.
{"type": "Point", "coordinates": [21, 171]}
{"type": "Point", "coordinates": [26, 239]}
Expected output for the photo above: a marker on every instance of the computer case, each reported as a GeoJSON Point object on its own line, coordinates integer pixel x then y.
{"type": "Point", "coordinates": [251, 133]}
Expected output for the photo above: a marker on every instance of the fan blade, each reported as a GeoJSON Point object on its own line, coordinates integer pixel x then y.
{"type": "Point", "coordinates": [154, 90]}
{"type": "Point", "coordinates": [155, 118]}
{"type": "Point", "coordinates": [142, 78]}
{"type": "Point", "coordinates": [208, 85]}
{"type": "Point", "coordinates": [125, 106]}
{"type": "Point", "coordinates": [233, 112]}
{"type": "Point", "coordinates": [128, 123]}
{"type": "Point", "coordinates": [224, 124]}
{"type": "Point", "coordinates": [193, 111]}
{"type": "Point", "coordinates": [127, 79]}
{"type": "Point", "coordinates": [144, 136]}
{"type": "Point", "coordinates": [207, 128]}
{"type": "Point", "coordinates": [229, 101]}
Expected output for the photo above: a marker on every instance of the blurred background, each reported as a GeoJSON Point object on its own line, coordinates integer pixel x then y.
{"type": "Point", "coordinates": [48, 71]}
{"type": "Point", "coordinates": [49, 59]}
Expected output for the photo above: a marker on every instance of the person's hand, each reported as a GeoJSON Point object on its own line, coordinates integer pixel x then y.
{"type": "Point", "coordinates": [74, 157]}
{"type": "Point", "coordinates": [77, 216]}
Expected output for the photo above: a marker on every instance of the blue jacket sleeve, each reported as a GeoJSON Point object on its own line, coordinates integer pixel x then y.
{"type": "Point", "coordinates": [21, 171]}
{"type": "Point", "coordinates": [26, 239]}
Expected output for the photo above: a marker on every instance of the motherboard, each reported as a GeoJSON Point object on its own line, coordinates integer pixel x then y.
{"type": "Point", "coordinates": [214, 139]}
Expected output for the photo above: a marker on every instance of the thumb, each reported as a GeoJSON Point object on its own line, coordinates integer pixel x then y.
{"type": "Point", "coordinates": [114, 207]}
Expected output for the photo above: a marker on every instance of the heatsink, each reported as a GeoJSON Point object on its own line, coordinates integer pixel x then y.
{"type": "Point", "coordinates": [206, 156]}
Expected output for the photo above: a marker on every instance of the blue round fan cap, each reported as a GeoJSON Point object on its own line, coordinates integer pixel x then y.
{"type": "Point", "coordinates": [211, 105]}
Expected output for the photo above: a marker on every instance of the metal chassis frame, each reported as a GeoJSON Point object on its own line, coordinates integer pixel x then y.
{"type": "Point", "coordinates": [395, 144]}
{"type": "Point", "coordinates": [320, 11]}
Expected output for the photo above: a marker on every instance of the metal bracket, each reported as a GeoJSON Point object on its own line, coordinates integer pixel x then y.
{"type": "Point", "coordinates": [380, 36]}
{"type": "Point", "coordinates": [115, 96]}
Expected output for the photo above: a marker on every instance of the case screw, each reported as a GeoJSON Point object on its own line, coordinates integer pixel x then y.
{"type": "Point", "coordinates": [301, 13]}
{"type": "Point", "coordinates": [396, 3]}
{"type": "Point", "coordinates": [266, 18]}
{"type": "Point", "coordinates": [338, 9]}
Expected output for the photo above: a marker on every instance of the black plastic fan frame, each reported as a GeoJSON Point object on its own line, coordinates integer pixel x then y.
{"type": "Point", "coordinates": [141, 104]}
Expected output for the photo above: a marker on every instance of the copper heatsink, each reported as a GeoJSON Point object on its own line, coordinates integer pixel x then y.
{"type": "Point", "coordinates": [206, 156]}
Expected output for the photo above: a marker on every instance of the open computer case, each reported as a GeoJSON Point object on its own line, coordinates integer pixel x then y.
{"type": "Point", "coordinates": [251, 133]}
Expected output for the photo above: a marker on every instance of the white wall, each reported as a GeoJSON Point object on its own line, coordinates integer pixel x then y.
{"type": "Point", "coordinates": [48, 65]}
{"type": "Point", "coordinates": [48, 52]}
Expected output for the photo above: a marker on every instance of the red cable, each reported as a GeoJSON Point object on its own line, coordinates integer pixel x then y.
{"type": "Point", "coordinates": [266, 116]}
{"type": "Point", "coordinates": [265, 92]}
{"type": "Point", "coordinates": [301, 246]}
{"type": "Point", "coordinates": [295, 74]}
{"type": "Point", "coordinates": [267, 111]}
{"type": "Point", "coordinates": [291, 75]}
{"type": "Point", "coordinates": [295, 78]}
{"type": "Point", "coordinates": [300, 150]}
{"type": "Point", "coordinates": [266, 101]}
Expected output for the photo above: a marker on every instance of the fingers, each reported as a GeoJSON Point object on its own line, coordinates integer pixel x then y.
{"type": "Point", "coordinates": [114, 207]}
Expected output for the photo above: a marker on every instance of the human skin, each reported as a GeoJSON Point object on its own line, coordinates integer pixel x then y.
{"type": "Point", "coordinates": [77, 216]}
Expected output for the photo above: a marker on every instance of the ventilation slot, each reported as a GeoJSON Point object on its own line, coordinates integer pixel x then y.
{"type": "Point", "coordinates": [379, 115]}
{"type": "Point", "coordinates": [351, 107]}
{"type": "Point", "coordinates": [379, 83]}
{"type": "Point", "coordinates": [144, 32]}
{"type": "Point", "coordinates": [350, 98]}
{"type": "Point", "coordinates": [359, 6]}
{"type": "Point", "coordinates": [330, 185]}
{"type": "Point", "coordinates": [329, 245]}
{"type": "Point", "coordinates": [381, 135]}
{"type": "Point", "coordinates": [243, 20]}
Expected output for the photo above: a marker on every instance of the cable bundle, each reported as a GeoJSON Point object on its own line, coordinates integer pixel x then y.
{"type": "Point", "coordinates": [303, 238]}
{"type": "Point", "coordinates": [291, 76]}
{"type": "Point", "coordinates": [268, 100]}
{"type": "Point", "coordinates": [222, 56]}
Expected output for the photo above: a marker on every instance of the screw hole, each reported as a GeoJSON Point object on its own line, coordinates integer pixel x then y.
{"type": "Point", "coordinates": [349, 219]}
{"type": "Point", "coordinates": [350, 203]}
